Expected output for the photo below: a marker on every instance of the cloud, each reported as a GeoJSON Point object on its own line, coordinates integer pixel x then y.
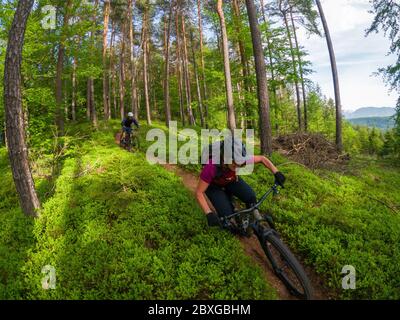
{"type": "Point", "coordinates": [345, 15]}
{"type": "Point", "coordinates": [357, 56]}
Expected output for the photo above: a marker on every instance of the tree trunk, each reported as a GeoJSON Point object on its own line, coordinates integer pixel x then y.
{"type": "Point", "coordinates": [262, 84]}
{"type": "Point", "coordinates": [272, 67]}
{"type": "Point", "coordinates": [93, 113]}
{"type": "Point", "coordinates": [134, 107]}
{"type": "Point", "coordinates": [92, 106]}
{"type": "Point", "coordinates": [227, 68]}
{"type": "Point", "coordinates": [296, 82]}
{"type": "Point", "coordinates": [15, 131]}
{"type": "Point", "coordinates": [122, 74]}
{"type": "Point", "coordinates": [88, 101]}
{"type": "Point", "coordinates": [242, 53]}
{"type": "Point", "coordinates": [59, 72]}
{"type": "Point", "coordinates": [106, 94]}
{"type": "Point", "coordinates": [113, 72]}
{"type": "Point", "coordinates": [187, 74]}
{"type": "Point", "coordinates": [167, 32]}
{"type": "Point", "coordinates": [243, 59]}
{"type": "Point", "coordinates": [196, 75]}
{"type": "Point", "coordinates": [73, 103]}
{"type": "Point", "coordinates": [66, 105]}
{"type": "Point", "coordinates": [179, 69]}
{"type": "Point", "coordinates": [60, 65]}
{"type": "Point", "coordinates": [303, 87]}
{"type": "Point", "coordinates": [339, 143]}
{"type": "Point", "coordinates": [205, 94]}
{"type": "Point", "coordinates": [145, 67]}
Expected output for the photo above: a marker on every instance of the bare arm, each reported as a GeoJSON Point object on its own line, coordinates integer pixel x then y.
{"type": "Point", "coordinates": [266, 162]}
{"type": "Point", "coordinates": [200, 196]}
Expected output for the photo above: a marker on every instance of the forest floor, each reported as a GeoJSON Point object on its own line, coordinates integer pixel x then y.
{"type": "Point", "coordinates": [335, 211]}
{"type": "Point", "coordinates": [110, 215]}
{"type": "Point", "coordinates": [252, 248]}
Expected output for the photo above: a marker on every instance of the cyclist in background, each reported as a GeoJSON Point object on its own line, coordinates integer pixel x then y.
{"type": "Point", "coordinates": [127, 125]}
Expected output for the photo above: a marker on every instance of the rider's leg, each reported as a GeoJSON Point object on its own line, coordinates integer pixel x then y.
{"type": "Point", "coordinates": [243, 191]}
{"type": "Point", "coordinates": [220, 200]}
{"type": "Point", "coordinates": [246, 194]}
{"type": "Point", "coordinates": [123, 134]}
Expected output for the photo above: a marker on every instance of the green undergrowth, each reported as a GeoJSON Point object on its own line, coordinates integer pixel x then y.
{"type": "Point", "coordinates": [337, 218]}
{"type": "Point", "coordinates": [115, 227]}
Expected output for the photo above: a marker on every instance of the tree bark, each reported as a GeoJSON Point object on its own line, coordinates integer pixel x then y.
{"type": "Point", "coordinates": [59, 72]}
{"type": "Point", "coordinates": [303, 87]}
{"type": "Point", "coordinates": [335, 76]}
{"type": "Point", "coordinates": [262, 84]}
{"type": "Point", "coordinates": [205, 93]}
{"type": "Point", "coordinates": [66, 105]}
{"type": "Point", "coordinates": [227, 68]}
{"type": "Point", "coordinates": [179, 69]}
{"type": "Point", "coordinates": [145, 62]}
{"type": "Point", "coordinates": [106, 94]}
{"type": "Point", "coordinates": [92, 105]}
{"type": "Point", "coordinates": [134, 107]}
{"type": "Point", "coordinates": [113, 72]}
{"type": "Point", "coordinates": [196, 75]}
{"type": "Point", "coordinates": [122, 74]}
{"type": "Point", "coordinates": [243, 58]}
{"type": "Point", "coordinates": [242, 53]}
{"type": "Point", "coordinates": [187, 74]}
{"type": "Point", "coordinates": [73, 103]}
{"type": "Point", "coordinates": [88, 101]}
{"type": "Point", "coordinates": [167, 32]}
{"type": "Point", "coordinates": [296, 82]}
{"type": "Point", "coordinates": [15, 132]}
{"type": "Point", "coordinates": [93, 112]}
{"type": "Point", "coordinates": [271, 66]}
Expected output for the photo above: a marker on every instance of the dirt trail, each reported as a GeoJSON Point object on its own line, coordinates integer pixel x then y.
{"type": "Point", "coordinates": [253, 249]}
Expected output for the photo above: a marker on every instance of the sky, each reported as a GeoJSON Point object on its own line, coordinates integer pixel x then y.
{"type": "Point", "coordinates": [358, 57]}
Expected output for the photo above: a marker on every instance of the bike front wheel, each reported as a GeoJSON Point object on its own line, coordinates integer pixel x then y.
{"type": "Point", "coordinates": [135, 144]}
{"type": "Point", "coordinates": [286, 266]}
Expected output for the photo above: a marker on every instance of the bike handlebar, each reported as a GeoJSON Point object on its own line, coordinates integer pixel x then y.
{"type": "Point", "coordinates": [273, 189]}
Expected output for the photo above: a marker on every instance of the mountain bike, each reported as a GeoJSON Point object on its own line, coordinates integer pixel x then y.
{"type": "Point", "coordinates": [130, 141]}
{"type": "Point", "coordinates": [284, 263]}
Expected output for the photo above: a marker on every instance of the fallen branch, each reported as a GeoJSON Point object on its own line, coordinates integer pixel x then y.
{"type": "Point", "coordinates": [384, 203]}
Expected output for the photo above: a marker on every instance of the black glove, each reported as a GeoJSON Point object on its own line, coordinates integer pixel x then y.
{"type": "Point", "coordinates": [279, 179]}
{"type": "Point", "coordinates": [213, 220]}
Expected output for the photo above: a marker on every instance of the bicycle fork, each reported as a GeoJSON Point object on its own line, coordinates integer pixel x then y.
{"type": "Point", "coordinates": [261, 231]}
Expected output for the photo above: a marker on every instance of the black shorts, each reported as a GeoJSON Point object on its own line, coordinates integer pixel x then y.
{"type": "Point", "coordinates": [222, 197]}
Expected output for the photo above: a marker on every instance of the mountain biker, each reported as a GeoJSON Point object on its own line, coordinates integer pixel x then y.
{"type": "Point", "coordinates": [219, 182]}
{"type": "Point", "coordinates": [127, 125]}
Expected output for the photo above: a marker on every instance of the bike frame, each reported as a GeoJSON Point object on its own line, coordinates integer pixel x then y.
{"type": "Point", "coordinates": [131, 135]}
{"type": "Point", "coordinates": [273, 189]}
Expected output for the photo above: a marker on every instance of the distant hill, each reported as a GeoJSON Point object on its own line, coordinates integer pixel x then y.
{"type": "Point", "coordinates": [383, 123]}
{"type": "Point", "coordinates": [369, 112]}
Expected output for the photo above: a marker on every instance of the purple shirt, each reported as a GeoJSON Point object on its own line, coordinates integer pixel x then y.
{"type": "Point", "coordinates": [210, 171]}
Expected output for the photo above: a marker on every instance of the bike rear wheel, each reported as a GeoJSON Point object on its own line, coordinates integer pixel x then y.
{"type": "Point", "coordinates": [286, 266]}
